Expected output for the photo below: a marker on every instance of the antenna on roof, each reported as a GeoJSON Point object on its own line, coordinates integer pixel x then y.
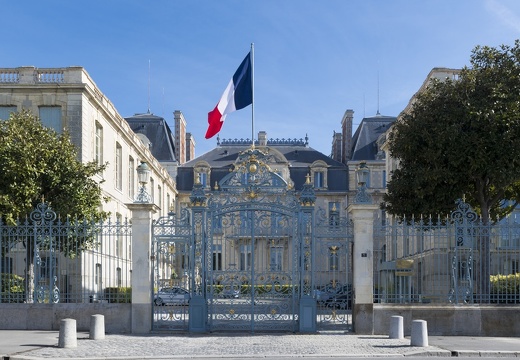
{"type": "Point", "coordinates": [378, 93]}
{"type": "Point", "coordinates": [364, 106]}
{"type": "Point", "coordinates": [148, 86]}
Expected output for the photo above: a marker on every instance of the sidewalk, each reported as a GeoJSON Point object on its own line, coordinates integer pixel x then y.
{"type": "Point", "coordinates": [24, 345]}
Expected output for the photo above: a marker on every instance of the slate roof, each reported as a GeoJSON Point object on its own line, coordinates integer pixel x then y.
{"type": "Point", "coordinates": [299, 158]}
{"type": "Point", "coordinates": [364, 145]}
{"type": "Point", "coordinates": [158, 133]}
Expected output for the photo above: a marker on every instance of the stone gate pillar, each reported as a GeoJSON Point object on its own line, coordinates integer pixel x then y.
{"type": "Point", "coordinates": [141, 278]}
{"type": "Point", "coordinates": [362, 214]}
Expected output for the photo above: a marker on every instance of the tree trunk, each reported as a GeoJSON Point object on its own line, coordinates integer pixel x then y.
{"type": "Point", "coordinates": [29, 270]}
{"type": "Point", "coordinates": [484, 256]}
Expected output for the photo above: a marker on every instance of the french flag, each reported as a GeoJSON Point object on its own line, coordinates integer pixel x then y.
{"type": "Point", "coordinates": [238, 95]}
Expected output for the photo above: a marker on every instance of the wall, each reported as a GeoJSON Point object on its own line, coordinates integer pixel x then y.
{"type": "Point", "coordinates": [82, 104]}
{"type": "Point", "coordinates": [452, 320]}
{"type": "Point", "coordinates": [48, 316]}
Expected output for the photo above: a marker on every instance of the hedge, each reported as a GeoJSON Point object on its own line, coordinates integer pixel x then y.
{"type": "Point", "coordinates": [118, 294]}
{"type": "Point", "coordinates": [12, 288]}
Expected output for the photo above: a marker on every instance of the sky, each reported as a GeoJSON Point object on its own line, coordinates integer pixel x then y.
{"type": "Point", "coordinates": [313, 59]}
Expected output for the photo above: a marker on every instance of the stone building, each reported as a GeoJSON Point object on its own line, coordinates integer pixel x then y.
{"type": "Point", "coordinates": [68, 98]}
{"type": "Point", "coordinates": [294, 161]}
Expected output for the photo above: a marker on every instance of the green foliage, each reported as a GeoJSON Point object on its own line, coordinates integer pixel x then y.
{"type": "Point", "coordinates": [38, 163]}
{"type": "Point", "coordinates": [505, 284]}
{"type": "Point", "coordinates": [12, 288]}
{"type": "Point", "coordinates": [461, 137]}
{"type": "Point", "coordinates": [259, 289]}
{"type": "Point", "coordinates": [505, 288]}
{"type": "Point", "coordinates": [118, 294]}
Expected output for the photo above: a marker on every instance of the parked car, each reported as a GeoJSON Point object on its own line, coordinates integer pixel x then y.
{"type": "Point", "coordinates": [172, 296]}
{"type": "Point", "coordinates": [230, 293]}
{"type": "Point", "coordinates": [337, 297]}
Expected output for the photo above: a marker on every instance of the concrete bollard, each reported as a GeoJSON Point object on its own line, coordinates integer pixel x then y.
{"type": "Point", "coordinates": [419, 333]}
{"type": "Point", "coordinates": [97, 327]}
{"type": "Point", "coordinates": [68, 337]}
{"type": "Point", "coordinates": [396, 327]}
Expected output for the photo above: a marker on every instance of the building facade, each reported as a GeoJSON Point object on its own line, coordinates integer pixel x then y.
{"type": "Point", "coordinates": [68, 98]}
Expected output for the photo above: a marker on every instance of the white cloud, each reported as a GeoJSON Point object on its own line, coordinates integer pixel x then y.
{"type": "Point", "coordinates": [504, 13]}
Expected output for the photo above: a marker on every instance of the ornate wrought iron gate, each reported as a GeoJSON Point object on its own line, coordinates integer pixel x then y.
{"type": "Point", "coordinates": [333, 239]}
{"type": "Point", "coordinates": [173, 249]}
{"type": "Point", "coordinates": [252, 250]}
{"type": "Point", "coordinates": [246, 254]}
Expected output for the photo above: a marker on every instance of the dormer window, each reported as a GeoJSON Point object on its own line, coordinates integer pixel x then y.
{"type": "Point", "coordinates": [203, 178]}
{"type": "Point", "coordinates": [201, 173]}
{"type": "Point", "coordinates": [319, 174]}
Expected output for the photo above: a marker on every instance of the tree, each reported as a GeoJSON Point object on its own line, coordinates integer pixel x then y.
{"type": "Point", "coordinates": [38, 163]}
{"type": "Point", "coordinates": [462, 138]}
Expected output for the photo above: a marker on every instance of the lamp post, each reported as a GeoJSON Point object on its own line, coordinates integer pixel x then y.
{"type": "Point", "coordinates": [143, 175]}
{"type": "Point", "coordinates": [362, 174]}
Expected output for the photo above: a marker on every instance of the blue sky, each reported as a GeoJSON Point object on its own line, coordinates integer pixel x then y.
{"type": "Point", "coordinates": [314, 59]}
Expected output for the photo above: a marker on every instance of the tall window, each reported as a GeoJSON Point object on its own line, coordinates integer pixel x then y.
{"type": "Point", "coordinates": [185, 260]}
{"type": "Point", "coordinates": [131, 177]}
{"type": "Point", "coordinates": [7, 265]}
{"type": "Point", "coordinates": [119, 237]}
{"type": "Point", "coordinates": [217, 257]}
{"type": "Point", "coordinates": [334, 258]}
{"type": "Point", "coordinates": [318, 179]}
{"type": "Point", "coordinates": [276, 260]}
{"type": "Point", "coordinates": [47, 267]}
{"type": "Point", "coordinates": [203, 178]}
{"type": "Point", "coordinates": [245, 257]}
{"type": "Point", "coordinates": [334, 213]}
{"type": "Point", "coordinates": [98, 278]}
{"type": "Point", "coordinates": [119, 166]}
{"type": "Point", "coordinates": [119, 277]}
{"type": "Point", "coordinates": [50, 117]}
{"type": "Point", "coordinates": [5, 112]}
{"type": "Point", "coordinates": [98, 146]}
{"type": "Point", "coordinates": [383, 175]}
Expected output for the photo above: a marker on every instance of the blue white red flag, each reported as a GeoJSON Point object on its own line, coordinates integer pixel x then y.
{"type": "Point", "coordinates": [238, 95]}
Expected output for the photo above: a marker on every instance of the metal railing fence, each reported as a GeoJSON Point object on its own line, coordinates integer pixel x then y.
{"type": "Point", "coordinates": [46, 260]}
{"type": "Point", "coordinates": [460, 259]}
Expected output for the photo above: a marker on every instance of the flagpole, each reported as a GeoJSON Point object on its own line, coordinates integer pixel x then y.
{"type": "Point", "coordinates": [253, 94]}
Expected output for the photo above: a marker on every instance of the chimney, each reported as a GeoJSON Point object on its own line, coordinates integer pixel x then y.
{"type": "Point", "coordinates": [337, 146]}
{"type": "Point", "coordinates": [262, 138]}
{"type": "Point", "coordinates": [180, 136]}
{"type": "Point", "coordinates": [346, 134]}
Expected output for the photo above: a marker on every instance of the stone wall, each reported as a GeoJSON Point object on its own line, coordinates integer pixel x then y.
{"type": "Point", "coordinates": [48, 316]}
{"type": "Point", "coordinates": [452, 320]}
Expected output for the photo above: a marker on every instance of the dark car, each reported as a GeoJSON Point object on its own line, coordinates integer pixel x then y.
{"type": "Point", "coordinates": [230, 293]}
{"type": "Point", "coordinates": [335, 296]}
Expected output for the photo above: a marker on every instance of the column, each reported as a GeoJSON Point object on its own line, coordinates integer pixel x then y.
{"type": "Point", "coordinates": [362, 214]}
{"type": "Point", "coordinates": [142, 278]}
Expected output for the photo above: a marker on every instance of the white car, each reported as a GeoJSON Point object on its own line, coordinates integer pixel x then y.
{"type": "Point", "coordinates": [172, 296]}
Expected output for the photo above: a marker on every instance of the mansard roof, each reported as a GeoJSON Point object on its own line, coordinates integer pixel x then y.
{"type": "Point", "coordinates": [154, 129]}
{"type": "Point", "coordinates": [295, 153]}
{"type": "Point", "coordinates": [364, 141]}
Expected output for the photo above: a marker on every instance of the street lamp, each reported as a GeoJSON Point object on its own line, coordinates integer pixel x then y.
{"type": "Point", "coordinates": [362, 174]}
{"type": "Point", "coordinates": [143, 175]}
